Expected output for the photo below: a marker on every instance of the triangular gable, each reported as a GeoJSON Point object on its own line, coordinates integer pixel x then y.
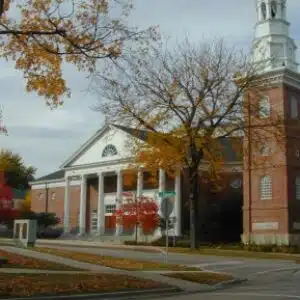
{"type": "Point", "coordinates": [83, 148]}
{"type": "Point", "coordinates": [91, 152]}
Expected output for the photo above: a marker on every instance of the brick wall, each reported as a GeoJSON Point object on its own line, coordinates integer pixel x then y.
{"type": "Point", "coordinates": [56, 202]}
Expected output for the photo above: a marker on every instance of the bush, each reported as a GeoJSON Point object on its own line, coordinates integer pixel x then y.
{"type": "Point", "coordinates": [50, 233]}
{"type": "Point", "coordinates": [8, 233]}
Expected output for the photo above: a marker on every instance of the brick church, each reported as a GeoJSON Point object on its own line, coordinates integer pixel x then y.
{"type": "Point", "coordinates": [85, 191]}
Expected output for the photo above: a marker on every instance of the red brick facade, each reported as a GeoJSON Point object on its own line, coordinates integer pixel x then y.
{"type": "Point", "coordinates": [282, 165]}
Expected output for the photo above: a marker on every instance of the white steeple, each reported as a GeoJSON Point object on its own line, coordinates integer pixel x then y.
{"type": "Point", "coordinates": [273, 48]}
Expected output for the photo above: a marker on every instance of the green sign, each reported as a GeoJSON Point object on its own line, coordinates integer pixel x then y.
{"type": "Point", "coordinates": [167, 194]}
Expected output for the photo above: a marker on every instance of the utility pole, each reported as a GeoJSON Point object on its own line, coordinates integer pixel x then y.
{"type": "Point", "coordinates": [47, 197]}
{"type": "Point", "coordinates": [1, 7]}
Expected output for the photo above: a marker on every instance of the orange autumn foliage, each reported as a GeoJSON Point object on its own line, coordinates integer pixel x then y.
{"type": "Point", "coordinates": [49, 33]}
{"type": "Point", "coordinates": [169, 151]}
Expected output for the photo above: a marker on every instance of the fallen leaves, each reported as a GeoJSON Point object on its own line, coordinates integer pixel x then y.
{"type": "Point", "coordinates": [53, 284]}
{"type": "Point", "coordinates": [19, 261]}
{"type": "Point", "coordinates": [202, 277]}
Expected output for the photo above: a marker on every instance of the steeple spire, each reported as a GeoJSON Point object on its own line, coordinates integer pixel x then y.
{"type": "Point", "coordinates": [273, 48]}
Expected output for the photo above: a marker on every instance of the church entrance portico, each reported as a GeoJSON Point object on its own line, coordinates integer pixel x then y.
{"type": "Point", "coordinates": [101, 195]}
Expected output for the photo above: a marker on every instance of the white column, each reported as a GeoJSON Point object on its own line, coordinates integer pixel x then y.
{"type": "Point", "coordinates": [177, 208]}
{"type": "Point", "coordinates": [101, 207]}
{"type": "Point", "coordinates": [82, 215]}
{"type": "Point", "coordinates": [139, 188]}
{"type": "Point", "coordinates": [162, 180]}
{"type": "Point", "coordinates": [67, 206]}
{"type": "Point", "coordinates": [119, 197]}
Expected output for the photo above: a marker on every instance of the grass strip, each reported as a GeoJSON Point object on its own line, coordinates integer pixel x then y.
{"type": "Point", "coordinates": [238, 253]}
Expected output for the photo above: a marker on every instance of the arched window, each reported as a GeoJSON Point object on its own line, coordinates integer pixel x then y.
{"type": "Point", "coordinates": [273, 9]}
{"type": "Point", "coordinates": [263, 8]}
{"type": "Point", "coordinates": [264, 107]}
{"type": "Point", "coordinates": [266, 187]}
{"type": "Point", "coordinates": [109, 150]}
{"type": "Point", "coordinates": [297, 183]}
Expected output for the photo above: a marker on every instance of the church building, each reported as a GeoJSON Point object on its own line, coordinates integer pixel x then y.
{"type": "Point", "coordinates": [87, 188]}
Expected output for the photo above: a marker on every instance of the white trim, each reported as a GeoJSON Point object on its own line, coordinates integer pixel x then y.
{"type": "Point", "coordinates": [96, 169]}
{"type": "Point", "coordinates": [54, 185]}
{"type": "Point", "coordinates": [46, 181]}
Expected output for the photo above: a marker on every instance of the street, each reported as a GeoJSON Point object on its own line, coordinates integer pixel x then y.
{"type": "Point", "coordinates": [267, 279]}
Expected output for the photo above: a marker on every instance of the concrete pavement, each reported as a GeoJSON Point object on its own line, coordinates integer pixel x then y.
{"type": "Point", "coordinates": [181, 284]}
{"type": "Point", "coordinates": [267, 279]}
{"type": "Point", "coordinates": [239, 267]}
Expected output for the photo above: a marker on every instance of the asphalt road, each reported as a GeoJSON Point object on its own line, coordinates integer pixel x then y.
{"type": "Point", "coordinates": [267, 279]}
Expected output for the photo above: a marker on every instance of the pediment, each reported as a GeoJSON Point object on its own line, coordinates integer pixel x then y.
{"type": "Point", "coordinates": [107, 144]}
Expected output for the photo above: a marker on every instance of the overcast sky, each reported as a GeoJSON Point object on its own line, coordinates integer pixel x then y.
{"type": "Point", "coordinates": [46, 138]}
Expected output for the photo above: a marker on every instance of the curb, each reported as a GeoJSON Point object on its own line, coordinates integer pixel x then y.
{"type": "Point", "coordinates": [229, 283]}
{"type": "Point", "coordinates": [108, 295]}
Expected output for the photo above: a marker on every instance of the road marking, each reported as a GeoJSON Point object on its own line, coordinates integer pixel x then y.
{"type": "Point", "coordinates": [259, 295]}
{"type": "Point", "coordinates": [273, 271]}
{"type": "Point", "coordinates": [225, 263]}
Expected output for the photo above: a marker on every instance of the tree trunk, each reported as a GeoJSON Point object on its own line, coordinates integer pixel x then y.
{"type": "Point", "coordinates": [193, 203]}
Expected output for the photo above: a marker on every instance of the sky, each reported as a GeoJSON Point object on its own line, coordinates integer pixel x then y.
{"type": "Point", "coordinates": [46, 138]}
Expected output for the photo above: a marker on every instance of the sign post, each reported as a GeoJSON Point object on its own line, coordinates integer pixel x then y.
{"type": "Point", "coordinates": [166, 209]}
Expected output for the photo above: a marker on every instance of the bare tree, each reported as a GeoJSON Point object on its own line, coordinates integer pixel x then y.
{"type": "Point", "coordinates": [188, 99]}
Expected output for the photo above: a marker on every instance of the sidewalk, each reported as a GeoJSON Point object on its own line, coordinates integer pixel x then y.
{"type": "Point", "coordinates": [183, 285]}
{"type": "Point", "coordinates": [92, 243]}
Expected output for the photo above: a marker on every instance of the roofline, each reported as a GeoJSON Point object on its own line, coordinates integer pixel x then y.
{"type": "Point", "coordinates": [45, 181]}
{"type": "Point", "coordinates": [99, 164]}
{"type": "Point", "coordinates": [84, 146]}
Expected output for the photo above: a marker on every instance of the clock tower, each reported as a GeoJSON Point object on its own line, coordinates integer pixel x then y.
{"type": "Point", "coordinates": [271, 210]}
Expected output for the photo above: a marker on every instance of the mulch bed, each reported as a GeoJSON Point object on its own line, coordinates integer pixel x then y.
{"type": "Point", "coordinates": [54, 284]}
{"type": "Point", "coordinates": [202, 277]}
{"type": "Point", "coordinates": [17, 261]}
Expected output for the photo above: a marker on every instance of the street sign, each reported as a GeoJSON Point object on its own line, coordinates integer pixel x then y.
{"type": "Point", "coordinates": [167, 207]}
{"type": "Point", "coordinates": [166, 194]}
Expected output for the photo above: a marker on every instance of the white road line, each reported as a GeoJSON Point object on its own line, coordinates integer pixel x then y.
{"type": "Point", "coordinates": [273, 271]}
{"type": "Point", "coordinates": [233, 262]}
{"type": "Point", "coordinates": [259, 295]}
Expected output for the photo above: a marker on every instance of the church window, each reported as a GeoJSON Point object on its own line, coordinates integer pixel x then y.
{"type": "Point", "coordinates": [297, 183]}
{"type": "Point", "coordinates": [265, 187]}
{"type": "Point", "coordinates": [264, 107]}
{"type": "Point", "coordinates": [264, 10]}
{"type": "Point", "coordinates": [294, 108]}
{"type": "Point", "coordinates": [109, 150]}
{"type": "Point", "coordinates": [273, 9]}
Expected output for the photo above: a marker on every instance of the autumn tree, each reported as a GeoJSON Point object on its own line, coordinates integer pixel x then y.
{"type": "Point", "coordinates": [17, 174]}
{"type": "Point", "coordinates": [7, 211]}
{"type": "Point", "coordinates": [41, 35]}
{"type": "Point", "coordinates": [187, 100]}
{"type": "Point", "coordinates": [138, 212]}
